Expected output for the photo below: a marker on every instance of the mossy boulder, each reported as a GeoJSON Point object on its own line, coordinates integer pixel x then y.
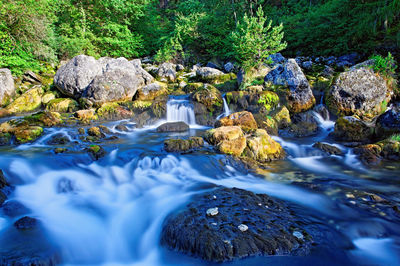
{"type": "Point", "coordinates": [48, 96]}
{"type": "Point", "coordinates": [282, 117]}
{"type": "Point", "coordinates": [350, 128]}
{"type": "Point", "coordinates": [183, 145]}
{"type": "Point", "coordinates": [96, 152]}
{"type": "Point", "coordinates": [112, 110]}
{"type": "Point", "coordinates": [159, 106]}
{"type": "Point", "coordinates": [86, 115]}
{"type": "Point", "coordinates": [262, 148]}
{"type": "Point", "coordinates": [44, 119]}
{"type": "Point", "coordinates": [193, 87]}
{"type": "Point", "coordinates": [26, 134]}
{"type": "Point", "coordinates": [5, 138]}
{"type": "Point", "coordinates": [7, 87]}
{"type": "Point", "coordinates": [267, 122]}
{"type": "Point", "coordinates": [245, 120]}
{"type": "Point", "coordinates": [213, 76]}
{"type": "Point", "coordinates": [151, 91]}
{"type": "Point", "coordinates": [63, 105]}
{"type": "Point", "coordinates": [372, 154]}
{"type": "Point", "coordinates": [209, 96]}
{"type": "Point", "coordinates": [95, 132]}
{"type": "Point", "coordinates": [27, 102]}
{"type": "Point", "coordinates": [360, 92]}
{"type": "Point", "coordinates": [388, 124]}
{"type": "Point", "coordinates": [227, 139]}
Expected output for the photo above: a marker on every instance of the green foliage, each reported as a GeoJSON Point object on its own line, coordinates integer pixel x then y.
{"type": "Point", "coordinates": [395, 137]}
{"type": "Point", "coordinates": [254, 40]}
{"type": "Point", "coordinates": [384, 65]}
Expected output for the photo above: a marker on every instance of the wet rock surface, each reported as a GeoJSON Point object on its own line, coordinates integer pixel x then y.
{"type": "Point", "coordinates": [183, 145]}
{"type": "Point", "coordinates": [173, 127]}
{"type": "Point", "coordinates": [245, 224]}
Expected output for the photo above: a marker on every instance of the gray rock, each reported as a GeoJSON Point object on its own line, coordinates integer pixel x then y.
{"type": "Point", "coordinates": [74, 77]}
{"type": "Point", "coordinates": [330, 149]}
{"type": "Point", "coordinates": [228, 67]}
{"type": "Point", "coordinates": [352, 129]}
{"type": "Point", "coordinates": [328, 72]}
{"type": "Point", "coordinates": [212, 211]}
{"type": "Point", "coordinates": [173, 127]}
{"type": "Point", "coordinates": [212, 65]}
{"type": "Point", "coordinates": [358, 92]}
{"type": "Point", "coordinates": [307, 65]}
{"type": "Point", "coordinates": [120, 80]}
{"type": "Point", "coordinates": [149, 92]}
{"type": "Point", "coordinates": [31, 77]}
{"type": "Point", "coordinates": [388, 124]}
{"type": "Point", "coordinates": [300, 97]}
{"type": "Point", "coordinates": [277, 58]}
{"type": "Point", "coordinates": [167, 71]}
{"type": "Point", "coordinates": [7, 88]}
{"type": "Point", "coordinates": [208, 73]}
{"type": "Point", "coordinates": [180, 67]}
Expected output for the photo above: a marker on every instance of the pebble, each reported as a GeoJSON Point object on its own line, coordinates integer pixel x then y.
{"type": "Point", "coordinates": [214, 197]}
{"type": "Point", "coordinates": [298, 235]}
{"type": "Point", "coordinates": [243, 227]}
{"type": "Point", "coordinates": [212, 211]}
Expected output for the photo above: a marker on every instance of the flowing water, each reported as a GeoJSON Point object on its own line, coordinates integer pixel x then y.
{"type": "Point", "coordinates": [111, 211]}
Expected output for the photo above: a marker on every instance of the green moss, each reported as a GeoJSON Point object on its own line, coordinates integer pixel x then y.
{"type": "Point", "coordinates": [29, 101]}
{"type": "Point", "coordinates": [95, 148]}
{"type": "Point", "coordinates": [107, 109]}
{"type": "Point", "coordinates": [62, 105]}
{"type": "Point", "coordinates": [138, 104]}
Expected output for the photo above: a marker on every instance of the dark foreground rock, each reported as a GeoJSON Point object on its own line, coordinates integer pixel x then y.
{"type": "Point", "coordinates": [183, 145]}
{"type": "Point", "coordinates": [173, 127]}
{"type": "Point", "coordinates": [26, 243]}
{"type": "Point", "coordinates": [233, 223]}
{"type": "Point", "coordinates": [330, 149]}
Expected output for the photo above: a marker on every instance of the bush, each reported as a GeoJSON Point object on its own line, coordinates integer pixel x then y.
{"type": "Point", "coordinates": [384, 65]}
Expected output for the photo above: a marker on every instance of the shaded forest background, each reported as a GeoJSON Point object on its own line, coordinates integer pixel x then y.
{"type": "Point", "coordinates": [34, 33]}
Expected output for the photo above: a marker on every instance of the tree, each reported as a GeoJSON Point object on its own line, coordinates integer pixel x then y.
{"type": "Point", "coordinates": [254, 40]}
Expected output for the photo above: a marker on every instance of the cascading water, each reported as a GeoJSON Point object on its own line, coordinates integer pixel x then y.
{"type": "Point", "coordinates": [226, 112]}
{"type": "Point", "coordinates": [180, 109]}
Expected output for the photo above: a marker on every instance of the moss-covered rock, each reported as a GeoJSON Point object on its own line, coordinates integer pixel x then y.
{"type": "Point", "coordinates": [63, 105]}
{"type": "Point", "coordinates": [350, 128]}
{"type": "Point", "coordinates": [95, 132]}
{"type": "Point", "coordinates": [217, 135]}
{"type": "Point", "coordinates": [112, 110]}
{"type": "Point", "coordinates": [193, 87]}
{"type": "Point", "coordinates": [44, 119]}
{"type": "Point", "coordinates": [282, 117]}
{"type": "Point", "coordinates": [151, 91]}
{"type": "Point", "coordinates": [262, 148]}
{"type": "Point", "coordinates": [5, 138]}
{"type": "Point", "coordinates": [232, 147]}
{"type": "Point", "coordinates": [27, 102]}
{"type": "Point", "coordinates": [159, 107]}
{"type": "Point", "coordinates": [183, 145]}
{"type": "Point", "coordinates": [209, 96]}
{"type": "Point", "coordinates": [86, 115]}
{"type": "Point", "coordinates": [372, 154]}
{"type": "Point", "coordinates": [48, 96]}
{"type": "Point", "coordinates": [96, 152]}
{"type": "Point", "coordinates": [245, 120]}
{"type": "Point", "coordinates": [26, 134]}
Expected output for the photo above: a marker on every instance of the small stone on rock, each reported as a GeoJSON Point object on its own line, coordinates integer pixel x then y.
{"type": "Point", "coordinates": [243, 227]}
{"type": "Point", "coordinates": [212, 211]}
{"type": "Point", "coordinates": [298, 235]}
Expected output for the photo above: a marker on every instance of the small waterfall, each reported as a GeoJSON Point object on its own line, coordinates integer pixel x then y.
{"type": "Point", "coordinates": [180, 109]}
{"type": "Point", "coordinates": [226, 109]}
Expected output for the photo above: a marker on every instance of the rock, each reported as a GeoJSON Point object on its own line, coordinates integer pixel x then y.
{"type": "Point", "coordinates": [44, 119]}
{"type": "Point", "coordinates": [119, 81]}
{"type": "Point", "coordinates": [81, 130]}
{"type": "Point", "coordinates": [167, 71]}
{"type": "Point", "coordinates": [14, 208]}
{"type": "Point", "coordinates": [212, 65]}
{"type": "Point", "coordinates": [151, 91]}
{"type": "Point", "coordinates": [173, 127]}
{"type": "Point", "coordinates": [227, 139]}
{"type": "Point", "coordinates": [350, 128]}
{"type": "Point", "coordinates": [122, 127]}
{"type": "Point", "coordinates": [180, 67]}
{"type": "Point", "coordinates": [322, 111]}
{"type": "Point", "coordinates": [113, 111]}
{"type": "Point", "coordinates": [388, 124]}
{"type": "Point", "coordinates": [62, 105]}
{"type": "Point", "coordinates": [307, 65]}
{"type": "Point", "coordinates": [86, 115]}
{"type": "Point", "coordinates": [304, 124]}
{"type": "Point", "coordinates": [328, 72]}
{"type": "Point", "coordinates": [47, 97]}
{"type": "Point", "coordinates": [223, 237]}
{"type": "Point", "coordinates": [27, 102]}
{"type": "Point", "coordinates": [330, 149]}
{"type": "Point", "coordinates": [26, 134]}
{"type": "Point", "coordinates": [73, 78]}
{"type": "Point", "coordinates": [193, 87]}
{"type": "Point", "coordinates": [7, 87]}
{"type": "Point", "coordinates": [95, 132]}
{"type": "Point", "coordinates": [209, 96]}
{"type": "Point", "coordinates": [358, 92]}
{"type": "Point", "coordinates": [96, 152]}
{"type": "Point", "coordinates": [32, 78]}
{"type": "Point", "coordinates": [26, 223]}
{"type": "Point", "coordinates": [3, 181]}
{"type": "Point", "coordinates": [5, 139]}
{"type": "Point", "coordinates": [262, 148]}
{"type": "Point", "coordinates": [58, 139]}
{"type": "Point", "coordinates": [228, 67]}
{"type": "Point", "coordinates": [371, 154]}
{"type": "Point", "coordinates": [183, 145]}
{"type": "Point", "coordinates": [300, 97]}
{"type": "Point", "coordinates": [60, 150]}
{"type": "Point", "coordinates": [243, 119]}
{"type": "Point", "coordinates": [247, 77]}
{"type": "Point", "coordinates": [277, 58]}
{"type": "Point", "coordinates": [213, 76]}
{"type": "Point", "coordinates": [212, 211]}
{"type": "Point", "coordinates": [282, 117]}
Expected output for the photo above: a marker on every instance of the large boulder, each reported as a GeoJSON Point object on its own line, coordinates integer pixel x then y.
{"type": "Point", "coordinates": [349, 128]}
{"type": "Point", "coordinates": [167, 71]}
{"type": "Point", "coordinates": [213, 76]}
{"type": "Point", "coordinates": [62, 105]}
{"type": "Point", "coordinates": [183, 145]}
{"type": "Point", "coordinates": [120, 81]}
{"type": "Point", "coordinates": [244, 119]}
{"type": "Point", "coordinates": [262, 148]}
{"type": "Point", "coordinates": [300, 97]}
{"type": "Point", "coordinates": [358, 91]}
{"type": "Point", "coordinates": [388, 124]}
{"type": "Point", "coordinates": [231, 223]}
{"type": "Point", "coordinates": [7, 88]}
{"type": "Point", "coordinates": [74, 77]}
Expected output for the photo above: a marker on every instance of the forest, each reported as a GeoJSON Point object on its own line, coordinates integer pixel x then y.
{"type": "Point", "coordinates": [34, 33]}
